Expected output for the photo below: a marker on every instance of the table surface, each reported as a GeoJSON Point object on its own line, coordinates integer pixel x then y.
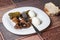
{"type": "Point", "coordinates": [51, 33]}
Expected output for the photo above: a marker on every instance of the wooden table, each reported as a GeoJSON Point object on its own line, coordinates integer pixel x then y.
{"type": "Point", "coordinates": [51, 33]}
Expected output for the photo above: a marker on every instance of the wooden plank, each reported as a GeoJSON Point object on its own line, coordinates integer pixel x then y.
{"type": "Point", "coordinates": [5, 3]}
{"type": "Point", "coordinates": [5, 9]}
{"type": "Point", "coordinates": [33, 3]}
{"type": "Point", "coordinates": [53, 34]}
{"type": "Point", "coordinates": [1, 36]}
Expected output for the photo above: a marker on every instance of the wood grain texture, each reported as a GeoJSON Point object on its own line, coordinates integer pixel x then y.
{"type": "Point", "coordinates": [17, 1]}
{"type": "Point", "coordinates": [5, 3]}
{"type": "Point", "coordinates": [33, 3]}
{"type": "Point", "coordinates": [5, 9]}
{"type": "Point", "coordinates": [1, 36]}
{"type": "Point", "coordinates": [53, 34]}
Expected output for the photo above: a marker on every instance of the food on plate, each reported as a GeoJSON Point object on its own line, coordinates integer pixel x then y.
{"type": "Point", "coordinates": [14, 14]}
{"type": "Point", "coordinates": [51, 9]}
{"type": "Point", "coordinates": [24, 20]}
{"type": "Point", "coordinates": [31, 14]}
{"type": "Point", "coordinates": [15, 20]}
{"type": "Point", "coordinates": [23, 24]}
{"type": "Point", "coordinates": [25, 14]}
{"type": "Point", "coordinates": [36, 21]}
{"type": "Point", "coordinates": [19, 20]}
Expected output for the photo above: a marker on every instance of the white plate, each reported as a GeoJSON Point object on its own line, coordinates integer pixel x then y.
{"type": "Point", "coordinates": [9, 25]}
